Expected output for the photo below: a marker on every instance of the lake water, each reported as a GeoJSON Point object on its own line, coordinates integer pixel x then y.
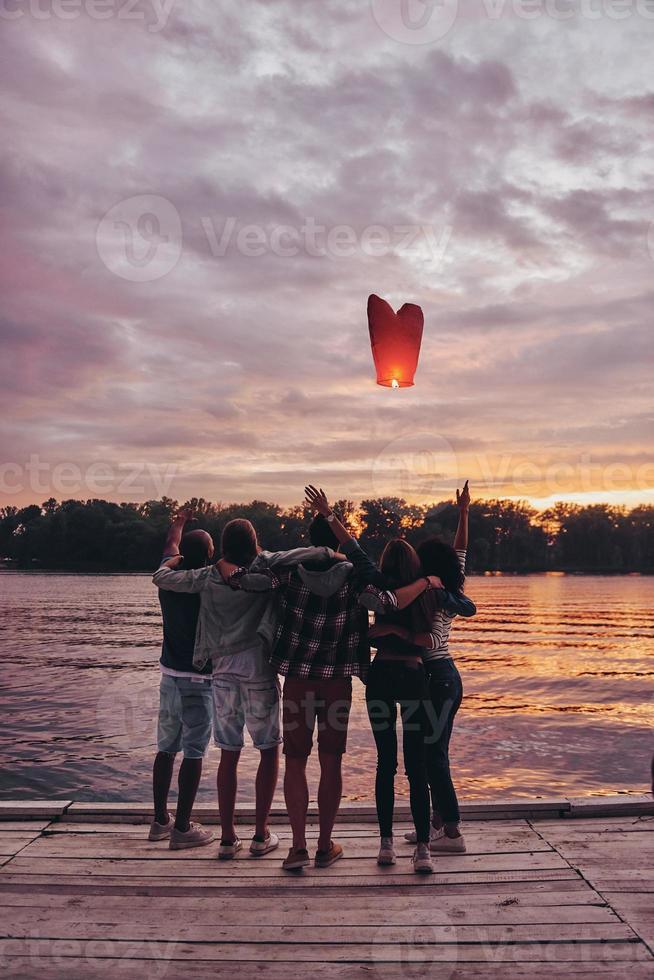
{"type": "Point", "coordinates": [557, 670]}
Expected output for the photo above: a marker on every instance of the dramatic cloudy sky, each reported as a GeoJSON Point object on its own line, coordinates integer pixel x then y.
{"type": "Point", "coordinates": [198, 197]}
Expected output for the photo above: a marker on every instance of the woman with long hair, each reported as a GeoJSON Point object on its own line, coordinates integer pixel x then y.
{"type": "Point", "coordinates": [406, 604]}
{"type": "Point", "coordinates": [397, 677]}
{"type": "Point", "coordinates": [445, 684]}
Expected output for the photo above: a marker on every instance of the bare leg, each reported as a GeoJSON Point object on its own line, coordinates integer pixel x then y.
{"type": "Point", "coordinates": [330, 791]}
{"type": "Point", "coordinates": [296, 795]}
{"type": "Point", "coordinates": [226, 783]}
{"type": "Point", "coordinates": [265, 785]}
{"type": "Point", "coordinates": [162, 774]}
{"type": "Point", "coordinates": [188, 781]}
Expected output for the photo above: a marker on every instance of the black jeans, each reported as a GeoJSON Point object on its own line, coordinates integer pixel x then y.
{"type": "Point", "coordinates": [391, 683]}
{"type": "Point", "coordinates": [445, 694]}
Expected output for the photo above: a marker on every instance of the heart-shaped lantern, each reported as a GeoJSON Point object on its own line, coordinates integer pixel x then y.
{"type": "Point", "coordinates": [395, 340]}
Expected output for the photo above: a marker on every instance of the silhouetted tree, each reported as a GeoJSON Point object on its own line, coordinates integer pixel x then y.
{"type": "Point", "coordinates": [504, 535]}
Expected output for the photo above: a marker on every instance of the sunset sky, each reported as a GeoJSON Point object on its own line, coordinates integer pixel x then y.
{"type": "Point", "coordinates": [198, 200]}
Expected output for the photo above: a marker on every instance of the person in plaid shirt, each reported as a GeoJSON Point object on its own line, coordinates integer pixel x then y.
{"type": "Point", "coordinates": [321, 643]}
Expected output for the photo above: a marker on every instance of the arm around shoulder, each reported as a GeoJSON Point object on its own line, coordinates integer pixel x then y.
{"type": "Point", "coordinates": [190, 580]}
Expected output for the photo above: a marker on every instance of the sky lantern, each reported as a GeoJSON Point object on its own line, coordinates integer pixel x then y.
{"type": "Point", "coordinates": [395, 340]}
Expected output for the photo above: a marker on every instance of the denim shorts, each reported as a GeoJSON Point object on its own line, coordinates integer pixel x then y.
{"type": "Point", "coordinates": [240, 704]}
{"type": "Point", "coordinates": [185, 714]}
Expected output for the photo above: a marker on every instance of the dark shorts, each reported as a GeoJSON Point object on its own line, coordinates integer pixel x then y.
{"type": "Point", "coordinates": [306, 702]}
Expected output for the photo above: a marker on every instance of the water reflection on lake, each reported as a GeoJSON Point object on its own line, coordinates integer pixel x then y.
{"type": "Point", "coordinates": [557, 671]}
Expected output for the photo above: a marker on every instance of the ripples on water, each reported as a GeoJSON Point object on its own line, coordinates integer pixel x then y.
{"type": "Point", "coordinates": [557, 673]}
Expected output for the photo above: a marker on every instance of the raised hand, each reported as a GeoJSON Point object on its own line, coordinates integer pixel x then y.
{"type": "Point", "coordinates": [463, 498]}
{"type": "Point", "coordinates": [317, 500]}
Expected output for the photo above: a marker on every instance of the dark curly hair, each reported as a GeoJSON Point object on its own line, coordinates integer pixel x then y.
{"type": "Point", "coordinates": [439, 558]}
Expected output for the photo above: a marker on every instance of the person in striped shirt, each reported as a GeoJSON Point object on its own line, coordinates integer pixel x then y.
{"type": "Point", "coordinates": [446, 563]}
{"type": "Point", "coordinates": [445, 684]}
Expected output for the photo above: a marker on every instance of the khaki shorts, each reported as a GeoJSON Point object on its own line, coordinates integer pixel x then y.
{"type": "Point", "coordinates": [307, 702]}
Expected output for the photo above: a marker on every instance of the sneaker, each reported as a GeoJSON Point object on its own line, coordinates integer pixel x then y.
{"type": "Point", "coordinates": [434, 835]}
{"type": "Point", "coordinates": [325, 859]}
{"type": "Point", "coordinates": [195, 836]}
{"type": "Point", "coordinates": [161, 831]}
{"type": "Point", "coordinates": [422, 860]}
{"type": "Point", "coordinates": [229, 849]}
{"type": "Point", "coordinates": [259, 847]}
{"type": "Point", "coordinates": [386, 855]}
{"type": "Point", "coordinates": [448, 845]}
{"type": "Point", "coordinates": [297, 858]}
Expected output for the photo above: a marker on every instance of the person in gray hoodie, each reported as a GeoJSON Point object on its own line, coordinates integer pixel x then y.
{"type": "Point", "coordinates": [234, 631]}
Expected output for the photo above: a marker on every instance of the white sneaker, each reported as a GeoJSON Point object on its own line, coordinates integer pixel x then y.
{"type": "Point", "coordinates": [195, 836]}
{"type": "Point", "coordinates": [161, 831]}
{"type": "Point", "coordinates": [227, 851]}
{"type": "Point", "coordinates": [422, 860]}
{"type": "Point", "coordinates": [434, 835]}
{"type": "Point", "coordinates": [260, 847]}
{"type": "Point", "coordinates": [448, 845]}
{"type": "Point", "coordinates": [386, 856]}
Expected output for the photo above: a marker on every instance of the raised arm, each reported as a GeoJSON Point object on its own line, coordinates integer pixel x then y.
{"type": "Point", "coordinates": [317, 500]}
{"type": "Point", "coordinates": [175, 532]}
{"type": "Point", "coordinates": [463, 503]}
{"type": "Point", "coordinates": [365, 570]}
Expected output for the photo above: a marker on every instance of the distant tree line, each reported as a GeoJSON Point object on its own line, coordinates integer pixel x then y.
{"type": "Point", "coordinates": [505, 535]}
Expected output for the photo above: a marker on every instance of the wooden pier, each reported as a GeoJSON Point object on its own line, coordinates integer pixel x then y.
{"type": "Point", "coordinates": [542, 890]}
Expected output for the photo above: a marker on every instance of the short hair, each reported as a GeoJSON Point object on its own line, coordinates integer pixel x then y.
{"type": "Point", "coordinates": [195, 548]}
{"type": "Point", "coordinates": [238, 542]}
{"type": "Point", "coordinates": [321, 534]}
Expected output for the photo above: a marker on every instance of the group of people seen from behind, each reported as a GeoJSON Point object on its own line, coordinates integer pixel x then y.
{"type": "Point", "coordinates": [233, 627]}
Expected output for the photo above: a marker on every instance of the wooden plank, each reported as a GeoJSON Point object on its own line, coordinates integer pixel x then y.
{"type": "Point", "coordinates": [638, 911]}
{"type": "Point", "coordinates": [631, 804]}
{"type": "Point", "coordinates": [175, 886]}
{"type": "Point", "coordinates": [429, 953]}
{"type": "Point", "coordinates": [124, 846]}
{"type": "Point", "coordinates": [246, 866]}
{"type": "Point", "coordinates": [637, 885]}
{"type": "Point", "coordinates": [183, 930]}
{"type": "Point", "coordinates": [24, 826]}
{"type": "Point", "coordinates": [33, 809]}
{"type": "Point", "coordinates": [473, 913]}
{"type": "Point", "coordinates": [88, 967]}
{"type": "Point", "coordinates": [13, 843]}
{"type": "Point", "coordinates": [473, 831]}
{"type": "Point", "coordinates": [544, 898]}
{"type": "Point", "coordinates": [607, 838]}
{"type": "Point", "coordinates": [595, 825]}
{"type": "Point", "coordinates": [349, 811]}
{"type": "Point", "coordinates": [600, 824]}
